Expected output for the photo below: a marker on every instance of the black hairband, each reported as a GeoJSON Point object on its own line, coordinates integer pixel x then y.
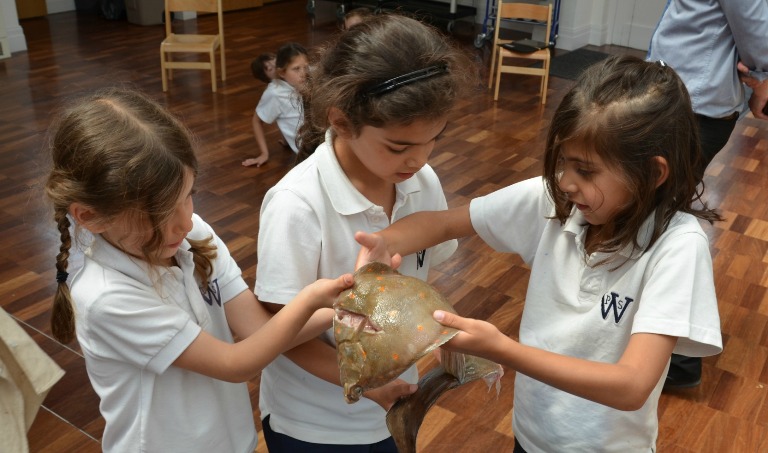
{"type": "Point", "coordinates": [406, 79]}
{"type": "Point", "coordinates": [61, 276]}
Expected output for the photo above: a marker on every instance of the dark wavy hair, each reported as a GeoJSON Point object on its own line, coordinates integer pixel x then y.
{"type": "Point", "coordinates": [629, 111]}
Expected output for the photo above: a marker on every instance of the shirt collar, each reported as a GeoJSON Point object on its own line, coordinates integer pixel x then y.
{"type": "Point", "coordinates": [577, 225]}
{"type": "Point", "coordinates": [344, 196]}
{"type": "Point", "coordinates": [110, 257]}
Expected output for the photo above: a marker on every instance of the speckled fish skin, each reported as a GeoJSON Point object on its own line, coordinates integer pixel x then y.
{"type": "Point", "coordinates": [383, 325]}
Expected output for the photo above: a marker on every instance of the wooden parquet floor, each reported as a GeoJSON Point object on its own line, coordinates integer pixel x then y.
{"type": "Point", "coordinates": [487, 146]}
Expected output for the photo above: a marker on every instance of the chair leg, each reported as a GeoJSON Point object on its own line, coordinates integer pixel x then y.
{"type": "Point", "coordinates": [162, 70]}
{"type": "Point", "coordinates": [498, 79]}
{"type": "Point", "coordinates": [223, 65]}
{"type": "Point", "coordinates": [494, 50]}
{"type": "Point", "coordinates": [212, 56]}
{"type": "Point", "coordinates": [545, 83]}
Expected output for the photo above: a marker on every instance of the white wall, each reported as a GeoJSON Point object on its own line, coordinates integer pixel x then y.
{"type": "Point", "coordinates": [15, 33]}
{"type": "Point", "coordinates": [59, 6]}
{"type": "Point", "coordinates": [628, 23]}
{"type": "Point", "coordinates": [18, 41]}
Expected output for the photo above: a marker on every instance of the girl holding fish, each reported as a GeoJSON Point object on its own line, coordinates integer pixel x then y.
{"type": "Point", "coordinates": [621, 273]}
{"type": "Point", "coordinates": [158, 297]}
{"type": "Point", "coordinates": [375, 108]}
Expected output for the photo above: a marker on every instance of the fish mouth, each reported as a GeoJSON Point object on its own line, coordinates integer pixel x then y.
{"type": "Point", "coordinates": [356, 321]}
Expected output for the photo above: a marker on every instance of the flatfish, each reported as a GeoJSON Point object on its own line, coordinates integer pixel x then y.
{"type": "Point", "coordinates": [384, 325]}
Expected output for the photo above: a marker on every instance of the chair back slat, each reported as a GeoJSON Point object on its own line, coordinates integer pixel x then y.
{"type": "Point", "coordinates": [208, 6]}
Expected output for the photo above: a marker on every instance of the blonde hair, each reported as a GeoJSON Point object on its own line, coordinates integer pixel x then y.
{"type": "Point", "coordinates": [117, 152]}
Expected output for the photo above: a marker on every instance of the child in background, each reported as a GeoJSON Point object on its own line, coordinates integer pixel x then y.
{"type": "Point", "coordinates": [378, 108]}
{"type": "Point", "coordinates": [355, 16]}
{"type": "Point", "coordinates": [281, 101]}
{"type": "Point", "coordinates": [263, 67]}
{"type": "Point", "coordinates": [621, 273]}
{"type": "Point", "coordinates": [158, 298]}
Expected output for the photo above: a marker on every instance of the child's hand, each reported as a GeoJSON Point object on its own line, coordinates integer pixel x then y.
{"type": "Point", "coordinates": [374, 249]}
{"type": "Point", "coordinates": [478, 338]}
{"type": "Point", "coordinates": [257, 161]}
{"type": "Point", "coordinates": [387, 395]}
{"type": "Point", "coordinates": [323, 293]}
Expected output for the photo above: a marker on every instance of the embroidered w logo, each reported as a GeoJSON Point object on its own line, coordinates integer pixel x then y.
{"type": "Point", "coordinates": [212, 293]}
{"type": "Point", "coordinates": [612, 303]}
{"type": "Point", "coordinates": [420, 259]}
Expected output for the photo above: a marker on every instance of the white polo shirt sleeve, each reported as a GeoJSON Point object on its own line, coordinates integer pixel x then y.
{"type": "Point", "coordinates": [678, 294]}
{"type": "Point", "coordinates": [268, 108]}
{"type": "Point", "coordinates": [137, 328]}
{"type": "Point", "coordinates": [289, 249]}
{"type": "Point", "coordinates": [512, 219]}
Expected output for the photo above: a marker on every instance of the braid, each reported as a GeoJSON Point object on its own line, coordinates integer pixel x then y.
{"type": "Point", "coordinates": [203, 253]}
{"type": "Point", "coordinates": [62, 316]}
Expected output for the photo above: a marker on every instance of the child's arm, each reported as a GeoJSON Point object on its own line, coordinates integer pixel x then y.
{"type": "Point", "coordinates": [246, 315]}
{"type": "Point", "coordinates": [624, 385]}
{"type": "Point", "coordinates": [241, 361]}
{"type": "Point", "coordinates": [413, 233]}
{"type": "Point", "coordinates": [258, 132]}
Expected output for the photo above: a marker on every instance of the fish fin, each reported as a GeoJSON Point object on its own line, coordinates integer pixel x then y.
{"type": "Point", "coordinates": [405, 417]}
{"type": "Point", "coordinates": [468, 368]}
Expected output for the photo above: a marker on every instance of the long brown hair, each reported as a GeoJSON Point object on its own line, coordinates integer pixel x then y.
{"type": "Point", "coordinates": [117, 152]}
{"type": "Point", "coordinates": [629, 111]}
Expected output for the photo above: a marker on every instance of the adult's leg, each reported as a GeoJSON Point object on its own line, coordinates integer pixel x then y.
{"type": "Point", "coordinates": [685, 372]}
{"type": "Point", "coordinates": [714, 134]}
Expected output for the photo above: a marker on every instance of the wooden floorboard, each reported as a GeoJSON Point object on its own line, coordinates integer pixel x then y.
{"type": "Point", "coordinates": [486, 146]}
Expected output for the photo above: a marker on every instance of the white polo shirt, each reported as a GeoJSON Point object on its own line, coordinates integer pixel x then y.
{"type": "Point", "coordinates": [132, 327]}
{"type": "Point", "coordinates": [307, 226]}
{"type": "Point", "coordinates": [591, 312]}
{"type": "Point", "coordinates": [282, 103]}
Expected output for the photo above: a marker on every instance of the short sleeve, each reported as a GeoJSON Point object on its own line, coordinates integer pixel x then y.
{"type": "Point", "coordinates": [679, 297]}
{"type": "Point", "coordinates": [268, 108]}
{"type": "Point", "coordinates": [289, 247]}
{"type": "Point", "coordinates": [512, 219]}
{"type": "Point", "coordinates": [137, 328]}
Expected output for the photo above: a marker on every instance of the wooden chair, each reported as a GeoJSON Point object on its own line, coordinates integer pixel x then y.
{"type": "Point", "coordinates": [192, 43]}
{"type": "Point", "coordinates": [526, 11]}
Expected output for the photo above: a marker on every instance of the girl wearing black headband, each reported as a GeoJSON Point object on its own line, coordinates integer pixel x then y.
{"type": "Point", "coordinates": [376, 102]}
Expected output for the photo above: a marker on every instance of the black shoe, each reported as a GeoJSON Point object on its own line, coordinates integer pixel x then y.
{"type": "Point", "coordinates": [685, 382]}
{"type": "Point", "coordinates": [684, 372]}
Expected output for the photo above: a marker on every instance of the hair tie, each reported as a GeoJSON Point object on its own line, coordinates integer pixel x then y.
{"type": "Point", "coordinates": [61, 276]}
{"type": "Point", "coordinates": [406, 79]}
{"type": "Point", "coordinates": [662, 64]}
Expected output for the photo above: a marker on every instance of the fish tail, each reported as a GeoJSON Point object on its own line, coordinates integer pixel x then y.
{"type": "Point", "coordinates": [467, 368]}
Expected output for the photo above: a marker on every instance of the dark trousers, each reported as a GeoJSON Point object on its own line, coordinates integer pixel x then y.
{"type": "Point", "coordinates": [280, 443]}
{"type": "Point", "coordinates": [714, 134]}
